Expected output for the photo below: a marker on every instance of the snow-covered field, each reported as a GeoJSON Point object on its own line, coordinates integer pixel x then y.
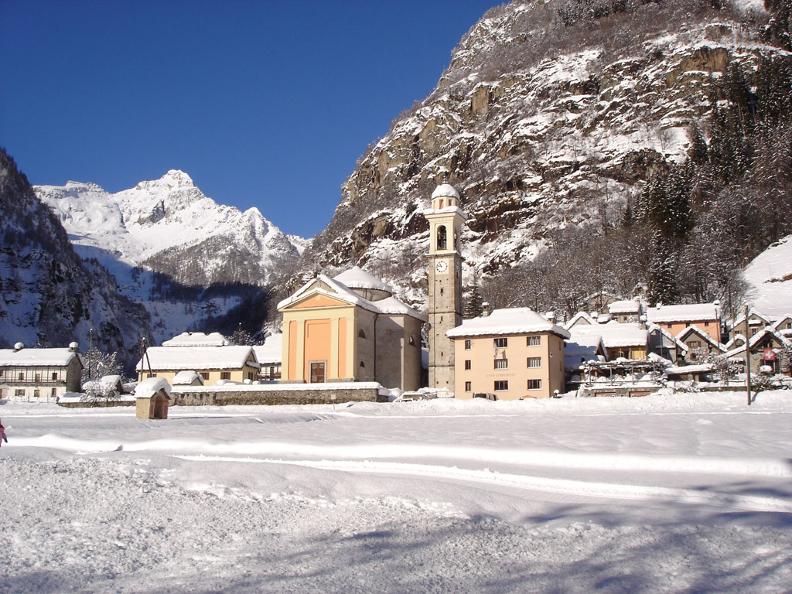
{"type": "Point", "coordinates": [665, 493]}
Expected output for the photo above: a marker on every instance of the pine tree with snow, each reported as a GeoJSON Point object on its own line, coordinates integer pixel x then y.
{"type": "Point", "coordinates": [242, 337]}
{"type": "Point", "coordinates": [474, 304]}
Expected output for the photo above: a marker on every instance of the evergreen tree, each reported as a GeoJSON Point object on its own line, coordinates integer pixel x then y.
{"type": "Point", "coordinates": [662, 274]}
{"type": "Point", "coordinates": [473, 305]}
{"type": "Point", "coordinates": [242, 337]}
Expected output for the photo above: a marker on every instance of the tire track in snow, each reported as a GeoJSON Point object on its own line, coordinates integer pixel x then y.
{"type": "Point", "coordinates": [529, 482]}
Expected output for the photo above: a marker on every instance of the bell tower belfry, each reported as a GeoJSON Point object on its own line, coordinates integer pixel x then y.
{"type": "Point", "coordinates": [445, 282]}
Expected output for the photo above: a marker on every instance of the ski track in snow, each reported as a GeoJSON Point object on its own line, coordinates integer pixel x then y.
{"type": "Point", "coordinates": [532, 483]}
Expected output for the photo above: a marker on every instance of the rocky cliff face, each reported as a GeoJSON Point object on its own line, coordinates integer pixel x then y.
{"type": "Point", "coordinates": [550, 115]}
{"type": "Point", "coordinates": [48, 294]}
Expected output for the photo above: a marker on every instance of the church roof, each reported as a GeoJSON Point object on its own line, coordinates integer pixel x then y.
{"type": "Point", "coordinates": [357, 278]}
{"type": "Point", "coordinates": [445, 190]}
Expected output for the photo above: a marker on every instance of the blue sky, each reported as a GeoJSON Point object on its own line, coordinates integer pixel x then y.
{"type": "Point", "coordinates": [264, 104]}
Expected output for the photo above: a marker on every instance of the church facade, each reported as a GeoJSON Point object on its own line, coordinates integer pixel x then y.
{"type": "Point", "coordinates": [350, 328]}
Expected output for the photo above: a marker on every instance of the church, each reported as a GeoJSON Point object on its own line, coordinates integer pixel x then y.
{"type": "Point", "coordinates": [350, 328]}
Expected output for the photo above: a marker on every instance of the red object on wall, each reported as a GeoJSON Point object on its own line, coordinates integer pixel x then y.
{"type": "Point", "coordinates": [768, 354]}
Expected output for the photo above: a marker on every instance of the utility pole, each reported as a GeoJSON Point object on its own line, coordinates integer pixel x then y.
{"type": "Point", "coordinates": [90, 350]}
{"type": "Point", "coordinates": [747, 359]}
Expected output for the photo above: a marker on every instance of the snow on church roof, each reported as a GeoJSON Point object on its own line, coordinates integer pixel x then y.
{"type": "Point", "coordinates": [196, 358]}
{"type": "Point", "coordinates": [445, 190]}
{"type": "Point", "coordinates": [186, 339]}
{"type": "Point", "coordinates": [687, 312]}
{"type": "Point", "coordinates": [357, 278]}
{"type": "Point", "coordinates": [514, 320]}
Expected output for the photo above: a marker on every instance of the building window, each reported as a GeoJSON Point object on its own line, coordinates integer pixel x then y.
{"type": "Point", "coordinates": [534, 362]}
{"type": "Point", "coordinates": [442, 237]}
{"type": "Point", "coordinates": [155, 375]}
{"type": "Point", "coordinates": [53, 392]}
{"type": "Point", "coordinates": [501, 363]}
{"type": "Point", "coordinates": [754, 331]}
{"type": "Point", "coordinates": [694, 344]}
{"type": "Point", "coordinates": [501, 343]}
{"type": "Point", "coordinates": [534, 341]}
{"type": "Point", "coordinates": [225, 375]}
{"type": "Point", "coordinates": [36, 394]}
{"type": "Point", "coordinates": [468, 387]}
{"type": "Point", "coordinates": [361, 333]}
{"type": "Point", "coordinates": [19, 392]}
{"type": "Point", "coordinates": [21, 376]}
{"type": "Point", "coordinates": [467, 345]}
{"type": "Point", "coordinates": [501, 385]}
{"type": "Point", "coordinates": [54, 375]}
{"type": "Point", "coordinates": [37, 378]}
{"type": "Point", "coordinates": [467, 363]}
{"type": "Point", "coordinates": [534, 384]}
{"type": "Point", "coordinates": [204, 375]}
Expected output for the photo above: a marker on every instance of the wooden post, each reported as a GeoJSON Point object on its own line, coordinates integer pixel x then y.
{"type": "Point", "coordinates": [747, 359]}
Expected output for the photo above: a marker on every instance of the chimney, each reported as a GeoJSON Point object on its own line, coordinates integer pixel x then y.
{"type": "Point", "coordinates": [18, 347]}
{"type": "Point", "coordinates": [73, 347]}
{"type": "Point", "coordinates": [550, 316]}
{"type": "Point", "coordinates": [485, 309]}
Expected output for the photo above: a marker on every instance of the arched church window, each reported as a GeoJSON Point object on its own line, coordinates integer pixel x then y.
{"type": "Point", "coordinates": [361, 333]}
{"type": "Point", "coordinates": [442, 237]}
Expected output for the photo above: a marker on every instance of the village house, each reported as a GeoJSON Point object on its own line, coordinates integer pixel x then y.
{"type": "Point", "coordinates": [512, 353]}
{"type": "Point", "coordinates": [350, 328]}
{"type": "Point", "coordinates": [269, 356]}
{"type": "Point", "coordinates": [699, 343]}
{"type": "Point", "coordinates": [665, 344]}
{"type": "Point", "coordinates": [598, 302]}
{"type": "Point", "coordinates": [621, 341]}
{"type": "Point", "coordinates": [676, 318]}
{"type": "Point", "coordinates": [215, 364]}
{"type": "Point", "coordinates": [625, 311]}
{"type": "Point", "coordinates": [197, 339]}
{"type": "Point", "coordinates": [767, 350]}
{"type": "Point", "coordinates": [39, 374]}
{"type": "Point", "coordinates": [750, 325]}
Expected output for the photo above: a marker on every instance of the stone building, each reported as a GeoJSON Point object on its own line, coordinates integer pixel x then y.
{"type": "Point", "coordinates": [675, 318]}
{"type": "Point", "coordinates": [350, 329]}
{"type": "Point", "coordinates": [213, 363]}
{"type": "Point", "coordinates": [445, 283]}
{"type": "Point", "coordinates": [39, 374]}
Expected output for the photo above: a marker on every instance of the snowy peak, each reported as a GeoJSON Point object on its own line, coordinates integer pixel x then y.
{"type": "Point", "coordinates": [174, 178]}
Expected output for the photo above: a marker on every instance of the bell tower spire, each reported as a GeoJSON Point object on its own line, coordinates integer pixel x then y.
{"type": "Point", "coordinates": [445, 282]}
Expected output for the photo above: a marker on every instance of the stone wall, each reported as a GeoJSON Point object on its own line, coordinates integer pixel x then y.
{"type": "Point", "coordinates": [208, 397]}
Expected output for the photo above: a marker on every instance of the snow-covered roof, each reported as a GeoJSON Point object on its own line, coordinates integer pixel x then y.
{"type": "Point", "coordinates": [271, 351]}
{"type": "Point", "coordinates": [194, 358]}
{"type": "Point", "coordinates": [186, 378]}
{"type": "Point", "coordinates": [515, 320]}
{"type": "Point", "coordinates": [613, 334]}
{"type": "Point", "coordinates": [655, 328]}
{"type": "Point", "coordinates": [445, 191]}
{"type": "Point", "coordinates": [625, 306]}
{"type": "Point", "coordinates": [683, 369]}
{"type": "Point", "coordinates": [340, 291]}
{"type": "Point", "coordinates": [581, 348]}
{"type": "Point", "coordinates": [579, 317]}
{"type": "Point", "coordinates": [752, 313]}
{"type": "Point", "coordinates": [150, 386]}
{"type": "Point", "coordinates": [781, 320]}
{"type": "Point", "coordinates": [57, 357]}
{"type": "Point", "coordinates": [687, 312]}
{"type": "Point", "coordinates": [693, 329]}
{"type": "Point", "coordinates": [770, 277]}
{"type": "Point", "coordinates": [357, 278]}
{"type": "Point", "coordinates": [186, 339]}
{"type": "Point", "coordinates": [757, 338]}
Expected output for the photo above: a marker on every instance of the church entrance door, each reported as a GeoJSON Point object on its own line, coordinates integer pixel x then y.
{"type": "Point", "coordinates": [317, 372]}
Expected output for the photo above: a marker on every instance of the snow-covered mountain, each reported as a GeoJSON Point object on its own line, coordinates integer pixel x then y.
{"type": "Point", "coordinates": [166, 242]}
{"type": "Point", "coordinates": [48, 294]}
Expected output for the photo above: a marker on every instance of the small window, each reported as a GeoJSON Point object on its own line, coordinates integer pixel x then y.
{"type": "Point", "coordinates": [467, 363]}
{"type": "Point", "coordinates": [19, 392]}
{"type": "Point", "coordinates": [501, 385]}
{"type": "Point", "coordinates": [204, 375]}
{"type": "Point", "coordinates": [361, 333]}
{"type": "Point", "coordinates": [468, 387]}
{"type": "Point", "coordinates": [21, 376]}
{"type": "Point", "coordinates": [54, 375]}
{"type": "Point", "coordinates": [2, 372]}
{"type": "Point", "coordinates": [534, 362]}
{"type": "Point", "coordinates": [53, 392]}
{"type": "Point", "coordinates": [154, 375]}
{"type": "Point", "coordinates": [36, 394]}
{"type": "Point", "coordinates": [467, 345]}
{"type": "Point", "coordinates": [501, 363]}
{"type": "Point", "coordinates": [362, 364]}
{"type": "Point", "coordinates": [534, 384]}
{"type": "Point", "coordinates": [411, 340]}
{"type": "Point", "coordinates": [441, 290]}
{"type": "Point", "coordinates": [442, 237]}
{"type": "Point", "coordinates": [225, 375]}
{"type": "Point", "coordinates": [501, 343]}
{"type": "Point", "coordinates": [534, 341]}
{"type": "Point", "coordinates": [37, 377]}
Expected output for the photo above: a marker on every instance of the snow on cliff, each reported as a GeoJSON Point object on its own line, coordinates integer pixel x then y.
{"type": "Point", "coordinates": [770, 278]}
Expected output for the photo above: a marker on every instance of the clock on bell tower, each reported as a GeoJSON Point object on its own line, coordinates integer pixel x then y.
{"type": "Point", "coordinates": [445, 282]}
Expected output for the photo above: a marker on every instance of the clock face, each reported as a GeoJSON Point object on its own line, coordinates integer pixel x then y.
{"type": "Point", "coordinates": [441, 266]}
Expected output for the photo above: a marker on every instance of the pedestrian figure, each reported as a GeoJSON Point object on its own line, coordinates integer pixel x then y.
{"type": "Point", "coordinates": [3, 437]}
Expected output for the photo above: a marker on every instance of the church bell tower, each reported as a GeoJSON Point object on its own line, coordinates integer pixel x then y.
{"type": "Point", "coordinates": [445, 282]}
